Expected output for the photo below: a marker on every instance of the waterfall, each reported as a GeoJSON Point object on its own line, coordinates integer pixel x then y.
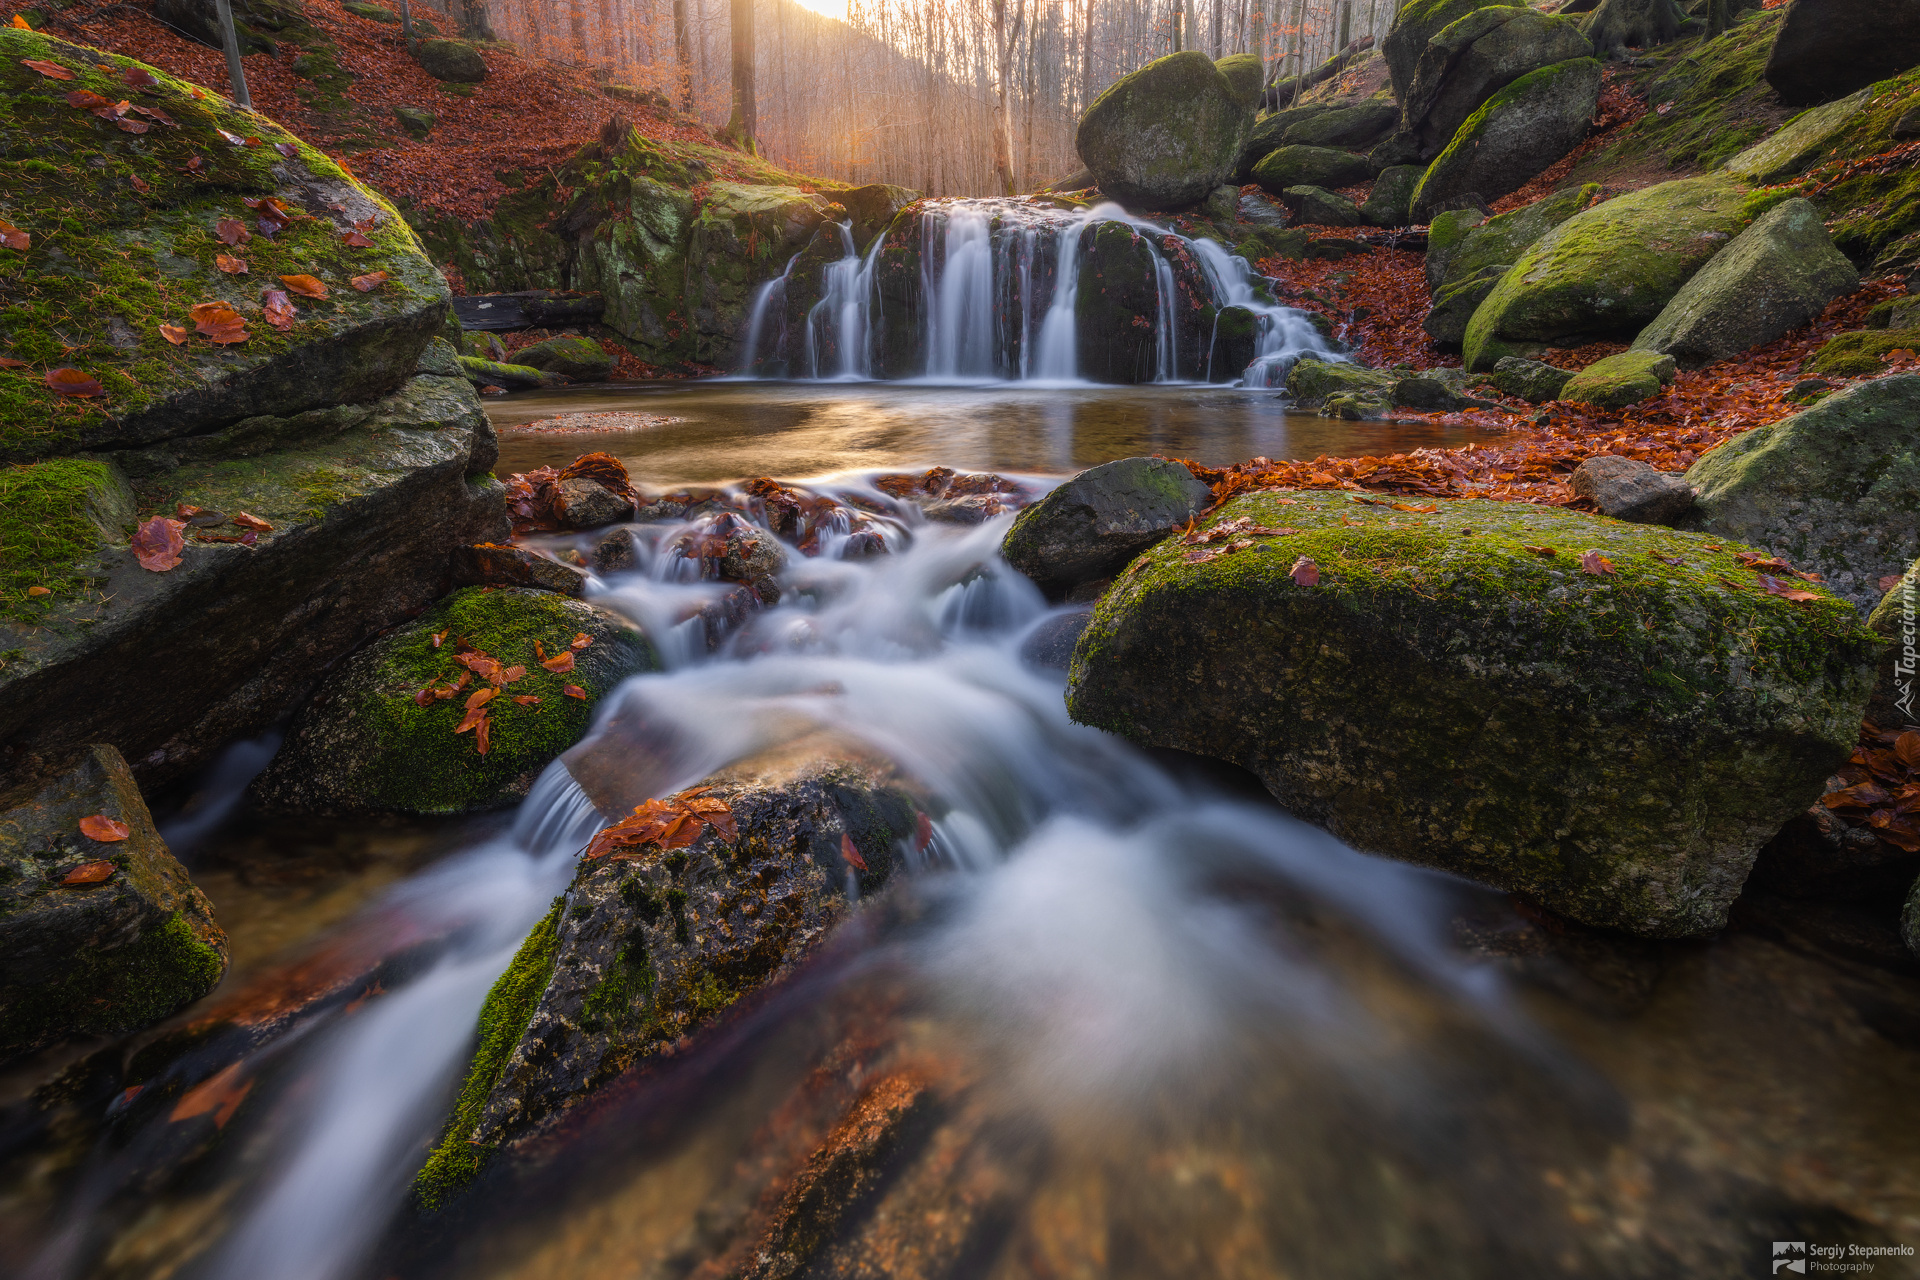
{"type": "Point", "coordinates": [989, 289]}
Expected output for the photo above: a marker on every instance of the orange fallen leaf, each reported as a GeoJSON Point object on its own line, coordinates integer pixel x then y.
{"type": "Point", "coordinates": [560, 663]}
{"type": "Point", "coordinates": [21, 23]}
{"type": "Point", "coordinates": [511, 674]}
{"type": "Point", "coordinates": [229, 264]}
{"type": "Point", "coordinates": [1425, 508]}
{"type": "Point", "coordinates": [279, 309]}
{"type": "Point", "coordinates": [472, 720]}
{"type": "Point", "coordinates": [850, 854]}
{"type": "Point", "coordinates": [158, 544]}
{"type": "Point", "coordinates": [51, 70]}
{"type": "Point", "coordinates": [1786, 590]}
{"type": "Point", "coordinates": [526, 700]}
{"type": "Point", "coordinates": [439, 638]}
{"type": "Point", "coordinates": [231, 231]}
{"type": "Point", "coordinates": [354, 240]}
{"type": "Point", "coordinates": [139, 184]}
{"type": "Point", "coordinates": [39, 591]}
{"type": "Point", "coordinates": [88, 873]}
{"type": "Point", "coordinates": [72, 382]}
{"type": "Point", "coordinates": [1595, 563]}
{"type": "Point", "coordinates": [98, 826]}
{"type": "Point", "coordinates": [176, 334]}
{"type": "Point", "coordinates": [1540, 551]}
{"type": "Point", "coordinates": [424, 698]}
{"type": "Point", "coordinates": [305, 286]}
{"type": "Point", "coordinates": [483, 737]}
{"type": "Point", "coordinates": [219, 1096]}
{"type": "Point", "coordinates": [371, 281]}
{"type": "Point", "coordinates": [8, 362]}
{"type": "Point", "coordinates": [254, 523]}
{"type": "Point", "coordinates": [139, 78]}
{"type": "Point", "coordinates": [574, 691]}
{"type": "Point", "coordinates": [87, 100]}
{"type": "Point", "coordinates": [481, 697]}
{"type": "Point", "coordinates": [1305, 572]}
{"type": "Point", "coordinates": [581, 641]}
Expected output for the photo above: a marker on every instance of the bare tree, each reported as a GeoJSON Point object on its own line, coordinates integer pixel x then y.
{"type": "Point", "coordinates": [475, 23]}
{"type": "Point", "coordinates": [743, 126]}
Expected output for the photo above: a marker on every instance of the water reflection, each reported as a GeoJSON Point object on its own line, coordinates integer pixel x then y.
{"type": "Point", "coordinates": [793, 430]}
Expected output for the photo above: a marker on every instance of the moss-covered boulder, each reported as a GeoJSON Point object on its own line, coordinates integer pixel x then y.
{"type": "Point", "coordinates": [1802, 141]}
{"type": "Point", "coordinates": [1620, 380]}
{"type": "Point", "coordinates": [1344, 128]}
{"type": "Point", "coordinates": [1117, 285]}
{"type": "Point", "coordinates": [1415, 24]}
{"type": "Point", "coordinates": [417, 121]}
{"type": "Point", "coordinates": [576, 358]}
{"type": "Point", "coordinates": [1244, 72]}
{"type": "Point", "coordinates": [124, 224]}
{"type": "Point", "coordinates": [1389, 202]}
{"type": "Point", "coordinates": [1468, 253]}
{"type": "Point", "coordinates": [1530, 380]}
{"type": "Point", "coordinates": [1292, 166]}
{"type": "Point", "coordinates": [648, 947]}
{"type": "Point", "coordinates": [1607, 271]}
{"type": "Point", "coordinates": [742, 236]}
{"type": "Point", "coordinates": [1166, 135]}
{"type": "Point", "coordinates": [1515, 135]}
{"type": "Point", "coordinates": [371, 741]}
{"type": "Point", "coordinates": [506, 375]}
{"type": "Point", "coordinates": [1612, 735]}
{"type": "Point", "coordinates": [1318, 207]}
{"type": "Point", "coordinates": [1776, 275]}
{"type": "Point", "coordinates": [1825, 51]}
{"type": "Point", "coordinates": [452, 61]}
{"type": "Point", "coordinates": [1862, 353]}
{"type": "Point", "coordinates": [872, 209]}
{"type": "Point", "coordinates": [1834, 489]}
{"type": "Point", "coordinates": [1101, 518]}
{"type": "Point", "coordinates": [97, 937]}
{"type": "Point", "coordinates": [1312, 382]}
{"type": "Point", "coordinates": [1475, 57]}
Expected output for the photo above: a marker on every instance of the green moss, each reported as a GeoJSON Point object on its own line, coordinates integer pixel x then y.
{"type": "Point", "coordinates": [504, 1018]}
{"type": "Point", "coordinates": [1709, 89]}
{"type": "Point", "coordinates": [1862, 353]}
{"type": "Point", "coordinates": [49, 522]}
{"type": "Point", "coordinates": [110, 992]}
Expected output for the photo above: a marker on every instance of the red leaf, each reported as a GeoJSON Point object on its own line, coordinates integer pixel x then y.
{"type": "Point", "coordinates": [1595, 563]}
{"type": "Point", "coordinates": [8, 362]}
{"type": "Point", "coordinates": [13, 237]}
{"type": "Point", "coordinates": [87, 100]}
{"type": "Point", "coordinates": [278, 309]}
{"type": "Point", "coordinates": [371, 281]}
{"type": "Point", "coordinates": [574, 691]}
{"type": "Point", "coordinates": [354, 240]}
{"type": "Point", "coordinates": [581, 641]}
{"type": "Point", "coordinates": [51, 70]}
{"type": "Point", "coordinates": [99, 826]}
{"type": "Point", "coordinates": [483, 737]}
{"type": "Point", "coordinates": [1305, 572]}
{"type": "Point", "coordinates": [286, 149]}
{"type": "Point", "coordinates": [526, 700]}
{"type": "Point", "coordinates": [72, 382]}
{"type": "Point", "coordinates": [174, 333]}
{"type": "Point", "coordinates": [254, 523]}
{"type": "Point", "coordinates": [231, 231]}
{"type": "Point", "coordinates": [1540, 551]}
{"type": "Point", "coordinates": [139, 78]}
{"type": "Point", "coordinates": [140, 184]}
{"type": "Point", "coordinates": [231, 265]}
{"type": "Point", "coordinates": [475, 716]}
{"type": "Point", "coordinates": [305, 286]}
{"type": "Point", "coordinates": [1786, 590]}
{"type": "Point", "coordinates": [91, 872]}
{"type": "Point", "coordinates": [560, 663]}
{"type": "Point", "coordinates": [851, 854]}
{"type": "Point", "coordinates": [158, 544]}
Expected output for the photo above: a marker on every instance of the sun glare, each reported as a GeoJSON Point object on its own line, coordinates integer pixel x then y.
{"type": "Point", "coordinates": [831, 8]}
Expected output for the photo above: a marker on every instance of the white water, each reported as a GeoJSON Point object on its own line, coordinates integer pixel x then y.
{"type": "Point", "coordinates": [1086, 944]}
{"type": "Point", "coordinates": [980, 282]}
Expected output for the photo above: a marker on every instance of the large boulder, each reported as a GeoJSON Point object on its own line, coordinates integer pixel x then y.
{"type": "Point", "coordinates": [1166, 135]}
{"type": "Point", "coordinates": [1834, 489]}
{"type": "Point", "coordinates": [1090, 526]}
{"type": "Point", "coordinates": [1468, 253]}
{"type": "Point", "coordinates": [1118, 283]}
{"type": "Point", "coordinates": [454, 61]}
{"type": "Point", "coordinates": [1318, 207]}
{"type": "Point", "coordinates": [1244, 72]}
{"type": "Point", "coordinates": [1827, 50]}
{"type": "Point", "coordinates": [1412, 680]}
{"type": "Point", "coordinates": [1776, 275]}
{"type": "Point", "coordinates": [1346, 128]}
{"type": "Point", "coordinates": [573, 357]}
{"type": "Point", "coordinates": [1293, 166]}
{"type": "Point", "coordinates": [647, 945]}
{"type": "Point", "coordinates": [1417, 23]}
{"type": "Point", "coordinates": [742, 236]}
{"type": "Point", "coordinates": [1797, 145]}
{"type": "Point", "coordinates": [1620, 380]}
{"type": "Point", "coordinates": [872, 208]}
{"type": "Point", "coordinates": [1389, 202]}
{"type": "Point", "coordinates": [97, 936]}
{"type": "Point", "coordinates": [382, 735]}
{"type": "Point", "coordinates": [1476, 57]}
{"type": "Point", "coordinates": [1515, 135]}
{"type": "Point", "coordinates": [1608, 271]}
{"type": "Point", "coordinates": [1629, 489]}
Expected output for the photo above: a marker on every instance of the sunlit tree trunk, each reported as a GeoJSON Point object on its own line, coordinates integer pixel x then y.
{"type": "Point", "coordinates": [474, 21]}
{"type": "Point", "coordinates": [1006, 34]}
{"type": "Point", "coordinates": [743, 125]}
{"type": "Point", "coordinates": [1215, 32]}
{"type": "Point", "coordinates": [1086, 55]}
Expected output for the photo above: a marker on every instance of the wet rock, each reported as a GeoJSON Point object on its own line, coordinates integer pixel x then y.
{"type": "Point", "coordinates": [749, 554]}
{"type": "Point", "coordinates": [1310, 167]}
{"type": "Point", "coordinates": [1390, 202]}
{"type": "Point", "coordinates": [576, 358]}
{"type": "Point", "coordinates": [1834, 488]}
{"type": "Point", "coordinates": [513, 377]}
{"type": "Point", "coordinates": [1530, 380]}
{"type": "Point", "coordinates": [453, 61]}
{"type": "Point", "coordinates": [618, 552]}
{"type": "Point", "coordinates": [974, 508]}
{"type": "Point", "coordinates": [1166, 135]}
{"type": "Point", "coordinates": [1315, 207]}
{"type": "Point", "coordinates": [501, 565]}
{"type": "Point", "coordinates": [1608, 270]}
{"type": "Point", "coordinates": [1050, 645]}
{"type": "Point", "coordinates": [1621, 380]}
{"type": "Point", "coordinates": [1101, 518]}
{"type": "Point", "coordinates": [1516, 135]}
{"type": "Point", "coordinates": [1118, 285]}
{"type": "Point", "coordinates": [1312, 382]}
{"type": "Point", "coordinates": [873, 207]}
{"type": "Point", "coordinates": [741, 235]}
{"type": "Point", "coordinates": [1345, 689]}
{"type": "Point", "coordinates": [1472, 59]}
{"type": "Point", "coordinates": [648, 947]}
{"type": "Point", "coordinates": [1261, 211]}
{"type": "Point", "coordinates": [1776, 275]}
{"type": "Point", "coordinates": [1629, 489]}
{"type": "Point", "coordinates": [587, 504]}
{"type": "Point", "coordinates": [1827, 51]}
{"type": "Point", "coordinates": [96, 937]}
{"type": "Point", "coordinates": [381, 735]}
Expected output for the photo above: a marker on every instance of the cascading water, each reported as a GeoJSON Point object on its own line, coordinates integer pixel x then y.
{"type": "Point", "coordinates": [995, 289]}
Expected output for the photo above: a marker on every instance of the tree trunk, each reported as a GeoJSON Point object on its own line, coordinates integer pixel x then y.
{"type": "Point", "coordinates": [744, 124]}
{"type": "Point", "coordinates": [1257, 37]}
{"type": "Point", "coordinates": [1086, 55]}
{"type": "Point", "coordinates": [1006, 34]}
{"type": "Point", "coordinates": [1346, 23]}
{"type": "Point", "coordinates": [230, 41]}
{"type": "Point", "coordinates": [1716, 17]}
{"type": "Point", "coordinates": [1215, 33]}
{"type": "Point", "coordinates": [683, 54]}
{"type": "Point", "coordinates": [1619, 25]}
{"type": "Point", "coordinates": [475, 24]}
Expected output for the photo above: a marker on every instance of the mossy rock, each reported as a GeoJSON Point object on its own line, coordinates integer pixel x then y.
{"type": "Point", "coordinates": [364, 745]}
{"type": "Point", "coordinates": [54, 517]}
{"type": "Point", "coordinates": [1415, 24]}
{"type": "Point", "coordinates": [1835, 488]}
{"type": "Point", "coordinates": [1514, 136]}
{"type": "Point", "coordinates": [1475, 57]}
{"type": "Point", "coordinates": [1101, 518]}
{"type": "Point", "coordinates": [1118, 285]}
{"type": "Point", "coordinates": [1777, 275]}
{"type": "Point", "coordinates": [1800, 142]}
{"type": "Point", "coordinates": [1310, 167]}
{"type": "Point", "coordinates": [1390, 201]}
{"type": "Point", "coordinates": [1609, 270]}
{"type": "Point", "coordinates": [1620, 380]}
{"type": "Point", "coordinates": [743, 236]}
{"type": "Point", "coordinates": [1719, 103]}
{"type": "Point", "coordinates": [1166, 135]}
{"type": "Point", "coordinates": [110, 262]}
{"type": "Point", "coordinates": [1860, 354]}
{"type": "Point", "coordinates": [1530, 380]}
{"type": "Point", "coordinates": [1244, 72]}
{"type": "Point", "coordinates": [101, 958]}
{"type": "Point", "coordinates": [371, 12]}
{"type": "Point", "coordinates": [1311, 381]}
{"type": "Point", "coordinates": [1615, 746]}
{"type": "Point", "coordinates": [1344, 128]}
{"type": "Point", "coordinates": [574, 357]}
{"type": "Point", "coordinates": [1463, 243]}
{"type": "Point", "coordinates": [417, 121]}
{"type": "Point", "coordinates": [513, 377]}
{"type": "Point", "coordinates": [451, 61]}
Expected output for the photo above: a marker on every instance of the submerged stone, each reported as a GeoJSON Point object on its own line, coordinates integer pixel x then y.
{"type": "Point", "coordinates": [1616, 745]}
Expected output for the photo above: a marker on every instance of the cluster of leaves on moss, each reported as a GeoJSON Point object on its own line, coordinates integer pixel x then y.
{"type": "Point", "coordinates": [1703, 93]}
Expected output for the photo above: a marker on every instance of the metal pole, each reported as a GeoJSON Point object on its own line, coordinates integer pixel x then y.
{"type": "Point", "coordinates": [236, 78]}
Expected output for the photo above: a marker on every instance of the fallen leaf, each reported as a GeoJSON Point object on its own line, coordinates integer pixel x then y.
{"type": "Point", "coordinates": [560, 663]}
{"type": "Point", "coordinates": [233, 139]}
{"type": "Point", "coordinates": [1863, 795]}
{"type": "Point", "coordinates": [574, 691]}
{"type": "Point", "coordinates": [219, 322]}
{"type": "Point", "coordinates": [539, 650]}
{"type": "Point", "coordinates": [1595, 563]}
{"type": "Point", "coordinates": [1424, 508]}
{"type": "Point", "coordinates": [87, 100]}
{"type": "Point", "coordinates": [923, 826]}
{"type": "Point", "coordinates": [128, 126]}
{"type": "Point", "coordinates": [1890, 581]}
{"type": "Point", "coordinates": [440, 638]}
{"type": "Point", "coordinates": [473, 717]}
{"type": "Point", "coordinates": [89, 872]}
{"type": "Point", "coordinates": [850, 854]}
{"type": "Point", "coordinates": [483, 737]}
{"type": "Point", "coordinates": [231, 231]}
{"type": "Point", "coordinates": [369, 282]}
{"type": "Point", "coordinates": [481, 665]}
{"type": "Point", "coordinates": [140, 184]}
{"type": "Point", "coordinates": [278, 309]}
{"type": "Point", "coordinates": [229, 264]}
{"type": "Point", "coordinates": [21, 23]}
{"type": "Point", "coordinates": [481, 697]}
{"type": "Point", "coordinates": [1305, 572]}
{"type": "Point", "coordinates": [8, 362]}
{"type": "Point", "coordinates": [1907, 748]}
{"type": "Point", "coordinates": [196, 164]}
{"type": "Point", "coordinates": [1199, 555]}
{"type": "Point", "coordinates": [39, 591]}
{"type": "Point", "coordinates": [305, 286]}
{"type": "Point", "coordinates": [51, 70]}
{"type": "Point", "coordinates": [1754, 560]}
{"type": "Point", "coordinates": [512, 673]}
{"type": "Point", "coordinates": [139, 78]}
{"type": "Point", "coordinates": [526, 700]}
{"type": "Point", "coordinates": [1540, 551]}
{"type": "Point", "coordinates": [156, 114]}
{"type": "Point", "coordinates": [1668, 559]}
{"type": "Point", "coordinates": [286, 149]}
{"type": "Point", "coordinates": [1786, 590]}
{"type": "Point", "coordinates": [218, 1095]}
{"type": "Point", "coordinates": [581, 641]}
{"type": "Point", "coordinates": [354, 240]}
{"type": "Point", "coordinates": [158, 544]}
{"type": "Point", "coordinates": [176, 334]}
{"type": "Point", "coordinates": [13, 237]}
{"type": "Point", "coordinates": [72, 382]}
{"type": "Point", "coordinates": [424, 697]}
{"type": "Point", "coordinates": [98, 826]}
{"type": "Point", "coordinates": [254, 523]}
